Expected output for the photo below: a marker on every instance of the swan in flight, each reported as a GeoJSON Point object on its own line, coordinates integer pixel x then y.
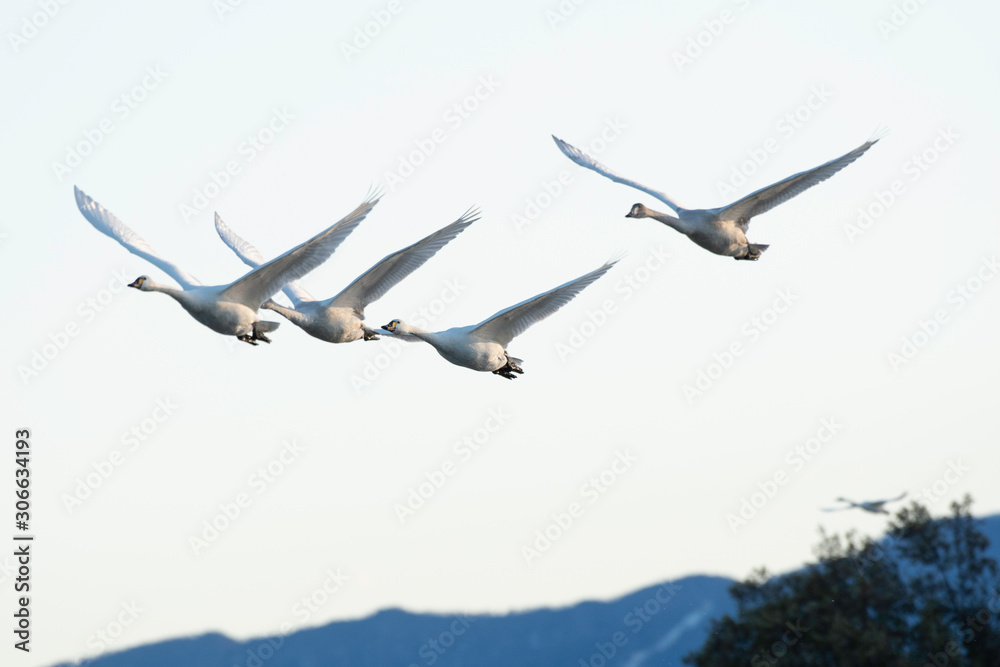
{"type": "Point", "coordinates": [873, 506]}
{"type": "Point", "coordinates": [482, 347]}
{"type": "Point", "coordinates": [340, 319]}
{"type": "Point", "coordinates": [723, 230]}
{"type": "Point", "coordinates": [228, 309]}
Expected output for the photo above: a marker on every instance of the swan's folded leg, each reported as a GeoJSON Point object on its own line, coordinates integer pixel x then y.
{"type": "Point", "coordinates": [754, 251]}
{"type": "Point", "coordinates": [511, 367]}
{"type": "Point", "coordinates": [247, 339]}
{"type": "Point", "coordinates": [371, 334]}
{"type": "Point", "coordinates": [514, 364]}
{"type": "Point", "coordinates": [261, 327]}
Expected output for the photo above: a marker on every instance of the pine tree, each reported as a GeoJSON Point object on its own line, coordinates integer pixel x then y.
{"type": "Point", "coordinates": [927, 594]}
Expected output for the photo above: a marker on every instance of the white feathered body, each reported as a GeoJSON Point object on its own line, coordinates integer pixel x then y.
{"type": "Point", "coordinates": [224, 317]}
{"type": "Point", "coordinates": [710, 229]}
{"type": "Point", "coordinates": [331, 324]}
{"type": "Point", "coordinates": [462, 348]}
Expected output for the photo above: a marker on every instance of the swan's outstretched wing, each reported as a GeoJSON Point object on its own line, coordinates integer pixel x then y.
{"type": "Point", "coordinates": [255, 287]}
{"type": "Point", "coordinates": [107, 223]}
{"type": "Point", "coordinates": [890, 500]}
{"type": "Point", "coordinates": [252, 258]}
{"type": "Point", "coordinates": [379, 279]}
{"type": "Point", "coordinates": [765, 199]}
{"type": "Point", "coordinates": [507, 324]}
{"type": "Point", "coordinates": [584, 160]}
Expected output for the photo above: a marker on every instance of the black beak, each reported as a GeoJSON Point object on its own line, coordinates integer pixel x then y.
{"type": "Point", "coordinates": [136, 283]}
{"type": "Point", "coordinates": [388, 327]}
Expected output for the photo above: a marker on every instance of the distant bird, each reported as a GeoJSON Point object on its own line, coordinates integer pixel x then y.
{"type": "Point", "coordinates": [341, 319]}
{"type": "Point", "coordinates": [228, 309]}
{"type": "Point", "coordinates": [482, 347]}
{"type": "Point", "coordinates": [873, 506]}
{"type": "Point", "coordinates": [723, 230]}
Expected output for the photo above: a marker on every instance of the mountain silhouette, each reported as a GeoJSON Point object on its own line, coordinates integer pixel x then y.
{"type": "Point", "coordinates": [657, 625]}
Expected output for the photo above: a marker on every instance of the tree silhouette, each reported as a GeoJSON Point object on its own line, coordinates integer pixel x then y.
{"type": "Point", "coordinates": [926, 594]}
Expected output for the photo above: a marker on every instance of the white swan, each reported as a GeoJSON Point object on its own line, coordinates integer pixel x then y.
{"type": "Point", "coordinates": [228, 309]}
{"type": "Point", "coordinates": [723, 230]}
{"type": "Point", "coordinates": [341, 319]}
{"type": "Point", "coordinates": [873, 506]}
{"type": "Point", "coordinates": [482, 347]}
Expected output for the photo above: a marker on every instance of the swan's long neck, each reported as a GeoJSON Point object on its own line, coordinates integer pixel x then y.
{"type": "Point", "coordinates": [178, 294]}
{"type": "Point", "coordinates": [290, 314]}
{"type": "Point", "coordinates": [667, 219]}
{"type": "Point", "coordinates": [422, 334]}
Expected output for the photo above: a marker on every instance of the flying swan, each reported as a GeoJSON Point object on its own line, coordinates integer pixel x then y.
{"type": "Point", "coordinates": [227, 309]}
{"type": "Point", "coordinates": [723, 230]}
{"type": "Point", "coordinates": [482, 347]}
{"type": "Point", "coordinates": [873, 506]}
{"type": "Point", "coordinates": [340, 319]}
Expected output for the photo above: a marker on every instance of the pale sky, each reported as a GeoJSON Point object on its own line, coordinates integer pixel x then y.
{"type": "Point", "coordinates": [280, 117]}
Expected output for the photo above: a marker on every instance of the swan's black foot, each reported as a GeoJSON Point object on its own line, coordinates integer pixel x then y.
{"type": "Point", "coordinates": [371, 335]}
{"type": "Point", "coordinates": [246, 338]}
{"type": "Point", "coordinates": [754, 251]}
{"type": "Point", "coordinates": [508, 370]}
{"type": "Point", "coordinates": [261, 329]}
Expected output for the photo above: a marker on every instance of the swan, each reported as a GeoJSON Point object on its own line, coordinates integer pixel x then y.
{"type": "Point", "coordinates": [482, 347]}
{"type": "Point", "coordinates": [227, 309]}
{"type": "Point", "coordinates": [723, 230]}
{"type": "Point", "coordinates": [340, 319]}
{"type": "Point", "coordinates": [873, 506]}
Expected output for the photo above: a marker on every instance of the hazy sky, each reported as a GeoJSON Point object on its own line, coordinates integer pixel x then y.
{"type": "Point", "coordinates": [865, 336]}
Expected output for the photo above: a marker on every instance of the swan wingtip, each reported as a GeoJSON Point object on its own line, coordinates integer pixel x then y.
{"type": "Point", "coordinates": [375, 193]}
{"type": "Point", "coordinates": [81, 197]}
{"type": "Point", "coordinates": [880, 132]}
{"type": "Point", "coordinates": [472, 214]}
{"type": "Point", "coordinates": [616, 257]}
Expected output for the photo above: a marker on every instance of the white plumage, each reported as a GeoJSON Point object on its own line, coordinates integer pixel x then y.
{"type": "Point", "coordinates": [723, 230]}
{"type": "Point", "coordinates": [340, 319]}
{"type": "Point", "coordinates": [228, 309]}
{"type": "Point", "coordinates": [482, 347]}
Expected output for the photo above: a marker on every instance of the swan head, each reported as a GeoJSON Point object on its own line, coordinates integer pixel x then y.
{"type": "Point", "coordinates": [395, 326]}
{"type": "Point", "coordinates": [140, 283]}
{"type": "Point", "coordinates": [638, 211]}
